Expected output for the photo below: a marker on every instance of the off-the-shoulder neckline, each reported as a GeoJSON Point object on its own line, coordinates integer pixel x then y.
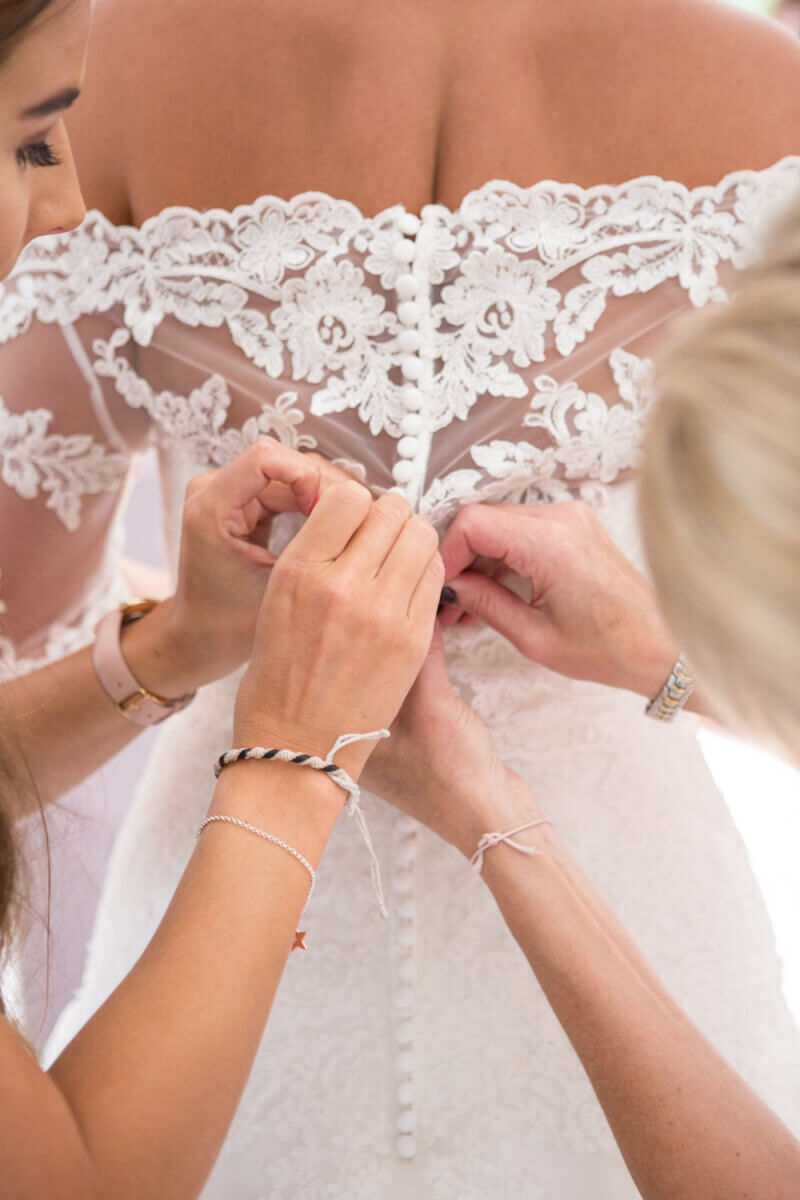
{"type": "Point", "coordinates": [582, 195]}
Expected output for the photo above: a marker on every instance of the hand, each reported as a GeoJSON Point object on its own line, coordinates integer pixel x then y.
{"type": "Point", "coordinates": [591, 614]}
{"type": "Point", "coordinates": [206, 630]}
{"type": "Point", "coordinates": [441, 767]}
{"type": "Point", "coordinates": [344, 628]}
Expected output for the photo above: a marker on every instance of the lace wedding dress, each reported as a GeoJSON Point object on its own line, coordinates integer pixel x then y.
{"type": "Point", "coordinates": [496, 352]}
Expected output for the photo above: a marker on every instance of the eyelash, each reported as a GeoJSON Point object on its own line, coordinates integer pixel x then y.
{"type": "Point", "coordinates": [38, 154]}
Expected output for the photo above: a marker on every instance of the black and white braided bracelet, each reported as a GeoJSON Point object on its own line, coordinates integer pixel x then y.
{"type": "Point", "coordinates": [335, 773]}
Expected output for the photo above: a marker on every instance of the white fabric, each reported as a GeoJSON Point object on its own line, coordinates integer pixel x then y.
{"type": "Point", "coordinates": [423, 1060]}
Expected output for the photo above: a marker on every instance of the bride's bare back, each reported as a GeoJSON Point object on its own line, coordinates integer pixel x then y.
{"type": "Point", "coordinates": [197, 103]}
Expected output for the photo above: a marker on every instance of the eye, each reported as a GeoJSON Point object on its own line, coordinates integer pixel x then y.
{"type": "Point", "coordinates": [38, 154]}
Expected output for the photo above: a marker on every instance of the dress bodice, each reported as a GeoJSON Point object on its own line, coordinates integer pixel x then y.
{"type": "Point", "coordinates": [497, 351]}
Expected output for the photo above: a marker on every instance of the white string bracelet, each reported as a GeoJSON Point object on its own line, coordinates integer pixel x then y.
{"type": "Point", "coordinates": [490, 840]}
{"type": "Point", "coordinates": [299, 943]}
{"type": "Point", "coordinates": [335, 773]}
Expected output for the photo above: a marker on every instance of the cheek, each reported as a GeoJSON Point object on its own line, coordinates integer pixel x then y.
{"type": "Point", "coordinates": [13, 219]}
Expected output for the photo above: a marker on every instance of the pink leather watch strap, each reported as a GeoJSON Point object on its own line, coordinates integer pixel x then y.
{"type": "Point", "coordinates": [118, 681]}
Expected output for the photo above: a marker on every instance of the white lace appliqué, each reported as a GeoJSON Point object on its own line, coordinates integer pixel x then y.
{"type": "Point", "coordinates": [63, 468]}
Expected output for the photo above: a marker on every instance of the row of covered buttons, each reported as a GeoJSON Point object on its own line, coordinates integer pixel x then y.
{"type": "Point", "coordinates": [410, 342]}
{"type": "Point", "coordinates": [404, 984]}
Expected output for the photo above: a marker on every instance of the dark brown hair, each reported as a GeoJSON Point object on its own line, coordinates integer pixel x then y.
{"type": "Point", "coordinates": [16, 16]}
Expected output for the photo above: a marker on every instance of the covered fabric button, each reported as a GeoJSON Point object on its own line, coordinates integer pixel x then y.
{"type": "Point", "coordinates": [407, 287]}
{"type": "Point", "coordinates": [402, 882]}
{"type": "Point", "coordinates": [412, 398]}
{"type": "Point", "coordinates": [407, 969]}
{"type": "Point", "coordinates": [406, 1121]}
{"type": "Point", "coordinates": [404, 1000]}
{"type": "Point", "coordinates": [406, 854]}
{"type": "Point", "coordinates": [407, 447]}
{"type": "Point", "coordinates": [409, 224]}
{"type": "Point", "coordinates": [410, 341]}
{"type": "Point", "coordinates": [404, 1033]}
{"type": "Point", "coordinates": [411, 424]}
{"type": "Point", "coordinates": [411, 368]}
{"type": "Point", "coordinates": [407, 935]}
{"type": "Point", "coordinates": [404, 908]}
{"type": "Point", "coordinates": [404, 251]}
{"type": "Point", "coordinates": [405, 1093]}
{"type": "Point", "coordinates": [403, 472]}
{"type": "Point", "coordinates": [405, 1062]}
{"type": "Point", "coordinates": [406, 1145]}
{"type": "Point", "coordinates": [409, 312]}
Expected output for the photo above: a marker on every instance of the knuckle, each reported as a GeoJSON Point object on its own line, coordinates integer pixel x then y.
{"type": "Point", "coordinates": [290, 574]}
{"type": "Point", "coordinates": [394, 507]}
{"type": "Point", "coordinates": [424, 538]}
{"type": "Point", "coordinates": [579, 512]}
{"type": "Point", "coordinates": [339, 592]}
{"type": "Point", "coordinates": [265, 447]}
{"type": "Point", "coordinates": [198, 483]}
{"type": "Point", "coordinates": [349, 492]}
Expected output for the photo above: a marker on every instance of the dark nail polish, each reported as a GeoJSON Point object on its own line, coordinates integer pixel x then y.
{"type": "Point", "coordinates": [448, 596]}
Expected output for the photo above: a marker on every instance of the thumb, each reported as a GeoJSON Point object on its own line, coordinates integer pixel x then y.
{"type": "Point", "coordinates": [498, 607]}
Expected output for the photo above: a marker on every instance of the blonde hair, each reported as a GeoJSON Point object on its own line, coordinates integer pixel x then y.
{"type": "Point", "coordinates": [720, 495]}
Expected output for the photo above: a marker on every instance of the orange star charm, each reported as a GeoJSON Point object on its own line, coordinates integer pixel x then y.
{"type": "Point", "coordinates": [300, 940]}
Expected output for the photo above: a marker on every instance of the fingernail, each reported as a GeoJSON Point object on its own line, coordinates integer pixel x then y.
{"type": "Point", "coordinates": [448, 596]}
{"type": "Point", "coordinates": [316, 501]}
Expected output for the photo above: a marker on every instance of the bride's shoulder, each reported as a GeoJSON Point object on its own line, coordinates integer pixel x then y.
{"type": "Point", "coordinates": [697, 88]}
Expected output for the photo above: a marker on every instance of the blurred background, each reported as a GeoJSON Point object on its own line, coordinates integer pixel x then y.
{"type": "Point", "coordinates": [763, 794]}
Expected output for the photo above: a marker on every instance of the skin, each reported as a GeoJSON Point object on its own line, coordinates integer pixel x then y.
{"type": "Point", "coordinates": [379, 103]}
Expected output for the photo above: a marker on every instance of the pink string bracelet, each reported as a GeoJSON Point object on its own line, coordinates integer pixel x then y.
{"type": "Point", "coordinates": [490, 840]}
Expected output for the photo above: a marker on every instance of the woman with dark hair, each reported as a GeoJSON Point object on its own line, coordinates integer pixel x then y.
{"type": "Point", "coordinates": [141, 1102]}
{"type": "Point", "coordinates": [338, 224]}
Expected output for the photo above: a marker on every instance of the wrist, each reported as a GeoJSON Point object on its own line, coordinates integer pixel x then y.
{"type": "Point", "coordinates": [513, 805]}
{"type": "Point", "coordinates": [292, 802]}
{"type": "Point", "coordinates": [159, 655]}
{"type": "Point", "coordinates": [648, 667]}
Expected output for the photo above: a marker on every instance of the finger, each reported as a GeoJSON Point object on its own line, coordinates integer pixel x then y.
{"type": "Point", "coordinates": [278, 498]}
{"type": "Point", "coordinates": [433, 679]}
{"type": "Point", "coordinates": [504, 611]}
{"type": "Point", "coordinates": [424, 601]}
{"type": "Point", "coordinates": [499, 532]}
{"type": "Point", "coordinates": [341, 511]}
{"type": "Point", "coordinates": [266, 478]}
{"type": "Point", "coordinates": [370, 547]}
{"type": "Point", "coordinates": [408, 559]}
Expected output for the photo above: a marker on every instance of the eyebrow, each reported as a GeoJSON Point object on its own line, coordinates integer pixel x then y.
{"type": "Point", "coordinates": [54, 105]}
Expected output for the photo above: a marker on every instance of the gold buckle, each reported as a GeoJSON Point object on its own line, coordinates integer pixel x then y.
{"type": "Point", "coordinates": [135, 701]}
{"type": "Point", "coordinates": [134, 610]}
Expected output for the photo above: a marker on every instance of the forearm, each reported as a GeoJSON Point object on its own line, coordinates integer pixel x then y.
{"type": "Point", "coordinates": [154, 1079]}
{"type": "Point", "coordinates": [65, 723]}
{"type": "Point", "coordinates": [688, 1126]}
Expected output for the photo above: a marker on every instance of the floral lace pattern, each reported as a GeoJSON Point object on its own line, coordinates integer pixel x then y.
{"type": "Point", "coordinates": [504, 289]}
{"type": "Point", "coordinates": [35, 461]}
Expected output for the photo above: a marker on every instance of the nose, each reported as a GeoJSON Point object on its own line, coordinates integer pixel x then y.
{"type": "Point", "coordinates": [57, 206]}
{"type": "Point", "coordinates": [71, 212]}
